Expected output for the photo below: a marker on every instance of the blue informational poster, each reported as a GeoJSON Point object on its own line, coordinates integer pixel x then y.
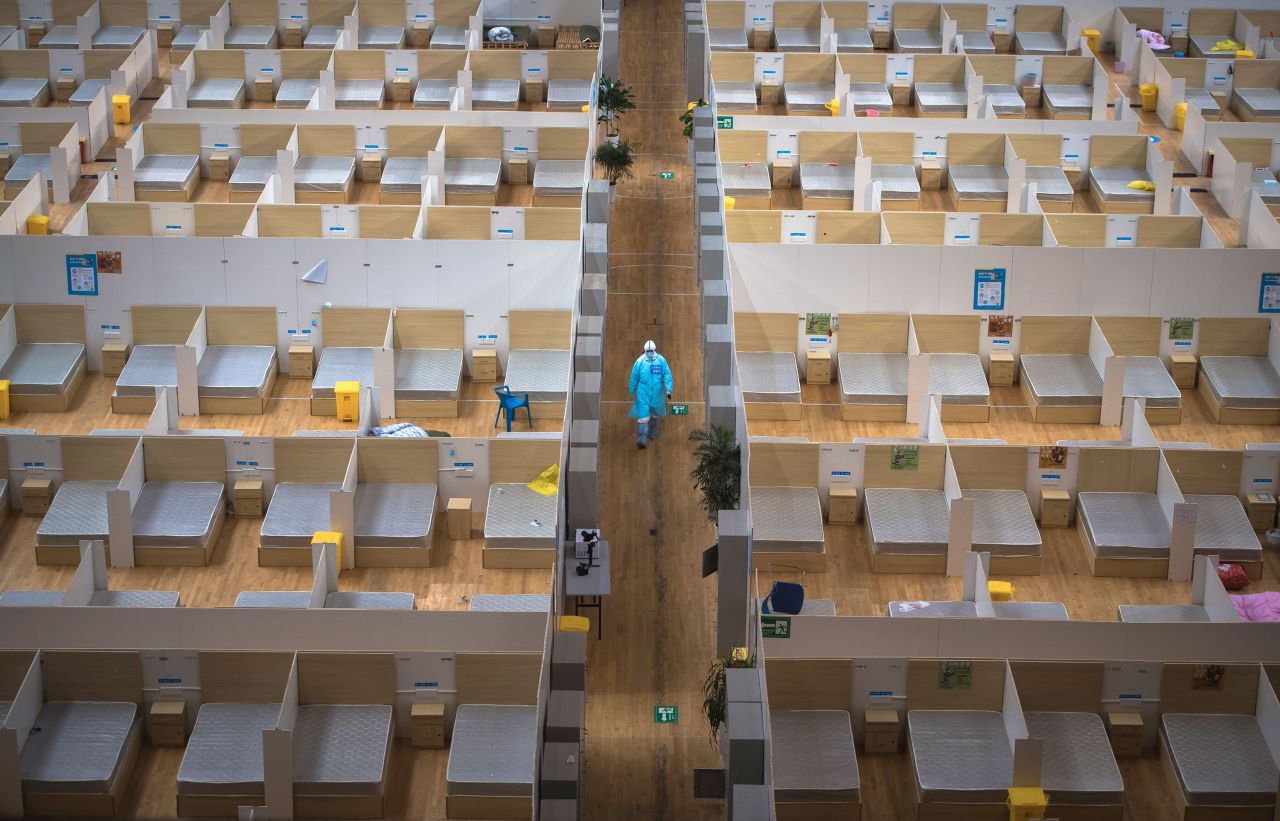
{"type": "Point", "coordinates": [82, 274]}
{"type": "Point", "coordinates": [988, 289]}
{"type": "Point", "coordinates": [1269, 294]}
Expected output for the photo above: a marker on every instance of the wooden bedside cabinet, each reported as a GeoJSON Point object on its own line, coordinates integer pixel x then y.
{"type": "Point", "coordinates": [1074, 175]}
{"type": "Point", "coordinates": [880, 731]}
{"type": "Point", "coordinates": [36, 496]}
{"type": "Point", "coordinates": [518, 172]}
{"type": "Point", "coordinates": [371, 168]}
{"type": "Point", "coordinates": [769, 93]}
{"type": "Point", "coordinates": [401, 90]}
{"type": "Point", "coordinates": [818, 368]}
{"type": "Point", "coordinates": [762, 38]}
{"type": "Point", "coordinates": [534, 90]}
{"type": "Point", "coordinates": [1002, 370]}
{"type": "Point", "coordinates": [843, 508]}
{"type": "Point", "coordinates": [484, 366]}
{"type": "Point", "coordinates": [901, 93]}
{"type": "Point", "coordinates": [1030, 96]}
{"type": "Point", "coordinates": [302, 361]}
{"type": "Point", "coordinates": [264, 90]}
{"type": "Point", "coordinates": [458, 518]}
{"type": "Point", "coordinates": [247, 498]}
{"type": "Point", "coordinates": [1055, 508]}
{"type": "Point", "coordinates": [1261, 508]}
{"type": "Point", "coordinates": [881, 37]}
{"type": "Point", "coordinates": [428, 725]}
{"type": "Point", "coordinates": [930, 175]}
{"type": "Point", "coordinates": [219, 166]}
{"type": "Point", "coordinates": [1124, 730]}
{"type": "Point", "coordinates": [114, 357]}
{"type": "Point", "coordinates": [782, 174]}
{"type": "Point", "coordinates": [167, 723]}
{"type": "Point", "coordinates": [1182, 367]}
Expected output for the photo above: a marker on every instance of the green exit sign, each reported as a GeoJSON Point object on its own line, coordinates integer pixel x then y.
{"type": "Point", "coordinates": [667, 175]}
{"type": "Point", "coordinates": [724, 123]}
{"type": "Point", "coordinates": [678, 410]}
{"type": "Point", "coordinates": [775, 627]}
{"type": "Point", "coordinates": [666, 714]}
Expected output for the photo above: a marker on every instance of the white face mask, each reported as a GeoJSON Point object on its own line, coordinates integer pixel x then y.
{"type": "Point", "coordinates": [650, 355]}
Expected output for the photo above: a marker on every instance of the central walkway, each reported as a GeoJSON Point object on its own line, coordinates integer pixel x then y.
{"type": "Point", "coordinates": [658, 625]}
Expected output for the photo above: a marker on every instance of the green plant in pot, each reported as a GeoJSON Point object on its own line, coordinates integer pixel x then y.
{"type": "Point", "coordinates": [686, 119]}
{"type": "Point", "coordinates": [615, 160]}
{"type": "Point", "coordinates": [717, 470]}
{"type": "Point", "coordinates": [715, 691]}
{"type": "Point", "coordinates": [613, 99]}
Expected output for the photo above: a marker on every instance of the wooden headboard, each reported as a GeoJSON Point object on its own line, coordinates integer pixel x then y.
{"type": "Point", "coordinates": [1056, 335]}
{"type": "Point", "coordinates": [947, 333]}
{"type": "Point", "coordinates": [765, 332]}
{"type": "Point", "coordinates": [428, 328]}
{"type": "Point", "coordinates": [50, 323]}
{"type": "Point", "coordinates": [1221, 336]}
{"type": "Point", "coordinates": [354, 327]}
{"type": "Point", "coordinates": [872, 333]}
{"type": "Point", "coordinates": [346, 678]}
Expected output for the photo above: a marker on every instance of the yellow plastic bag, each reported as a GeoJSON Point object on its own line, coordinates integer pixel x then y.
{"type": "Point", "coordinates": [1227, 45]}
{"type": "Point", "coordinates": [548, 481]}
{"type": "Point", "coordinates": [1141, 185]}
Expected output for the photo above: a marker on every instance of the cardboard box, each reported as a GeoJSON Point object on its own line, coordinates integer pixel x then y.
{"type": "Point", "coordinates": [1001, 370]}
{"type": "Point", "coordinates": [782, 173]}
{"type": "Point", "coordinates": [1124, 730]}
{"type": "Point", "coordinates": [264, 91]}
{"type": "Point", "coordinates": [427, 721]}
{"type": "Point", "coordinates": [302, 361]}
{"type": "Point", "coordinates": [880, 731]}
{"type": "Point", "coordinates": [1261, 508]}
{"type": "Point", "coordinates": [818, 368]}
{"type": "Point", "coordinates": [458, 518]}
{"type": "Point", "coordinates": [533, 90]}
{"type": "Point", "coordinates": [1182, 367]}
{"type": "Point", "coordinates": [246, 497]}
{"type": "Point", "coordinates": [401, 90]}
{"type": "Point", "coordinates": [64, 88]}
{"type": "Point", "coordinates": [114, 357]}
{"type": "Point", "coordinates": [36, 496]}
{"type": "Point", "coordinates": [1055, 507]}
{"type": "Point", "coordinates": [219, 166]}
{"type": "Point", "coordinates": [844, 506]}
{"type": "Point", "coordinates": [769, 93]}
{"type": "Point", "coordinates": [484, 366]}
{"type": "Point", "coordinates": [930, 175]}
{"type": "Point", "coordinates": [517, 172]}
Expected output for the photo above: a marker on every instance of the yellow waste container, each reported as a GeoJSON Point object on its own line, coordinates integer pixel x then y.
{"type": "Point", "coordinates": [4, 398]}
{"type": "Point", "coordinates": [348, 396]}
{"type": "Point", "coordinates": [1093, 37]}
{"type": "Point", "coordinates": [120, 107]}
{"type": "Point", "coordinates": [1180, 116]}
{"type": "Point", "coordinates": [38, 225]}
{"type": "Point", "coordinates": [1000, 591]}
{"type": "Point", "coordinates": [575, 624]}
{"type": "Point", "coordinates": [728, 203]}
{"type": "Point", "coordinates": [1027, 803]}
{"type": "Point", "coordinates": [329, 537]}
{"type": "Point", "coordinates": [833, 105]}
{"type": "Point", "coordinates": [1149, 92]}
{"type": "Point", "coordinates": [1244, 54]}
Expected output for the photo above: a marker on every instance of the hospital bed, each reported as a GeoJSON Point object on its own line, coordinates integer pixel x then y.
{"type": "Point", "coordinates": [899, 187]}
{"type": "Point", "coordinates": [826, 186]}
{"type": "Point", "coordinates": [917, 41]}
{"type": "Point", "coordinates": [401, 182]}
{"type": "Point", "coordinates": [492, 757]}
{"type": "Point", "coordinates": [787, 521]}
{"type": "Point", "coordinates": [24, 92]}
{"type": "Point", "coordinates": [1006, 101]}
{"type": "Point", "coordinates": [568, 95]}
{"type": "Point", "coordinates": [1039, 43]}
{"type": "Point", "coordinates": [1223, 529]}
{"type": "Point", "coordinates": [1067, 102]}
{"type": "Point", "coordinates": [511, 603]}
{"type": "Point", "coordinates": [1145, 377]}
{"type": "Point", "coordinates": [1003, 524]}
{"type": "Point", "coordinates": [250, 37]}
{"type": "Point", "coordinates": [394, 515]}
{"type": "Point", "coordinates": [1220, 764]}
{"type": "Point", "coordinates": [907, 521]}
{"type": "Point", "coordinates": [296, 92]}
{"type": "Point", "coordinates": [960, 757]}
{"type": "Point", "coordinates": [853, 41]}
{"type": "Point", "coordinates": [149, 367]}
{"type": "Point", "coordinates": [1245, 382]}
{"type": "Point", "coordinates": [977, 42]}
{"type": "Point", "coordinates": [185, 39]}
{"type": "Point", "coordinates": [1124, 526]}
{"type": "Point", "coordinates": [449, 37]}
{"type": "Point", "coordinates": [1161, 613]}
{"type": "Point", "coordinates": [166, 177]}
{"type": "Point", "coordinates": [79, 754]}
{"type": "Point", "coordinates": [1203, 100]}
{"type": "Point", "coordinates": [558, 182]}
{"type": "Point", "coordinates": [322, 37]}
{"type": "Point", "coordinates": [134, 598]}
{"type": "Point", "coordinates": [1053, 189]}
{"type": "Point", "coordinates": [78, 512]}
{"type": "Point", "coordinates": [769, 377]}
{"type": "Point", "coordinates": [388, 38]}
{"type": "Point", "coordinates": [1261, 104]}
{"type": "Point", "coordinates": [518, 518]}
{"type": "Point", "coordinates": [940, 100]}
{"type": "Point", "coordinates": [495, 95]}
{"type": "Point", "coordinates": [795, 39]}
{"type": "Point", "coordinates": [1110, 192]}
{"type": "Point", "coordinates": [1064, 382]}
{"type": "Point", "coordinates": [427, 375]}
{"type": "Point", "coordinates": [236, 378]}
{"type": "Point", "coordinates": [222, 766]}
{"type": "Point", "coordinates": [250, 178]}
{"type": "Point", "coordinates": [434, 94]}
{"type": "Point", "coordinates": [43, 369]}
{"type": "Point", "coordinates": [216, 92]}
{"type": "Point", "coordinates": [296, 513]}
{"type": "Point", "coordinates": [814, 763]}
{"type": "Point", "coordinates": [542, 373]}
{"type": "Point", "coordinates": [983, 188]}
{"type": "Point", "coordinates": [1078, 768]}
{"type": "Point", "coordinates": [177, 516]}
{"type": "Point", "coordinates": [867, 96]}
{"type": "Point", "coordinates": [727, 39]}
{"type": "Point", "coordinates": [358, 93]}
{"type": "Point", "coordinates": [340, 754]}
{"type": "Point", "coordinates": [748, 183]}
{"type": "Point", "coordinates": [325, 180]}
{"type": "Point", "coordinates": [807, 98]}
{"type": "Point", "coordinates": [368, 600]}
{"type": "Point", "coordinates": [474, 178]}
{"type": "Point", "coordinates": [87, 91]}
{"type": "Point", "coordinates": [735, 96]}
{"type": "Point", "coordinates": [959, 379]}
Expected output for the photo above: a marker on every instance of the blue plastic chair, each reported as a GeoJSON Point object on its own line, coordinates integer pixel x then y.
{"type": "Point", "coordinates": [509, 403]}
{"type": "Point", "coordinates": [784, 597]}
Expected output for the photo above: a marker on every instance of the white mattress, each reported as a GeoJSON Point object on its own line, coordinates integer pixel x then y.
{"type": "Point", "coordinates": [493, 750]}
{"type": "Point", "coordinates": [23, 91]}
{"type": "Point", "coordinates": [933, 610]}
{"type": "Point", "coordinates": [1161, 613]}
{"type": "Point", "coordinates": [78, 511]}
{"type": "Point", "coordinates": [428, 374]}
{"type": "Point", "coordinates": [1202, 45]}
{"type": "Point", "coordinates": [979, 182]}
{"type": "Point", "coordinates": [134, 598]}
{"type": "Point", "coordinates": [368, 600]}
{"type": "Point", "coordinates": [807, 97]}
{"type": "Point", "coordinates": [26, 167]}
{"type": "Point", "coordinates": [727, 39]}
{"type": "Point", "coordinates": [148, 367]}
{"type": "Point", "coordinates": [1078, 766]}
{"type": "Point", "coordinates": [472, 175]}
{"type": "Point", "coordinates": [791, 39]}
{"type": "Point", "coordinates": [434, 93]}
{"type": "Point", "coordinates": [917, 41]}
{"type": "Point", "coordinates": [342, 365]}
{"type": "Point", "coordinates": [31, 598]}
{"type": "Point", "coordinates": [297, 512]}
{"type": "Point", "coordinates": [1051, 183]}
{"type": "Point", "coordinates": [449, 37]}
{"type": "Point", "coordinates": [520, 518]}
{"type": "Point", "coordinates": [958, 378]}
{"type": "Point", "coordinates": [1223, 529]}
{"type": "Point", "coordinates": [1006, 100]}
{"type": "Point", "coordinates": [853, 41]}
{"type": "Point", "coordinates": [568, 95]}
{"type": "Point", "coordinates": [359, 94]}
{"type": "Point", "coordinates": [224, 753]}
{"type": "Point", "coordinates": [768, 376]}
{"type": "Point", "coordinates": [1261, 102]}
{"type": "Point", "coordinates": [1039, 42]}
{"type": "Point", "coordinates": [897, 182]}
{"type": "Point", "coordinates": [177, 514]}
{"type": "Point", "coordinates": [488, 95]}
{"type": "Point", "coordinates": [216, 92]}
{"type": "Point", "coordinates": [813, 757]}
{"type": "Point", "coordinates": [322, 37]}
{"type": "Point", "coordinates": [960, 756]}
{"type": "Point", "coordinates": [907, 521]}
{"type": "Point", "coordinates": [826, 180]}
{"type": "Point", "coordinates": [1220, 760]}
{"type": "Point", "coordinates": [403, 175]}
{"type": "Point", "coordinates": [511, 603]}
{"type": "Point", "coordinates": [559, 178]}
{"type": "Point", "coordinates": [1241, 381]}
{"type": "Point", "coordinates": [873, 378]}
{"type": "Point", "coordinates": [1112, 184]}
{"type": "Point", "coordinates": [250, 37]}
{"type": "Point", "coordinates": [1036, 610]}
{"type": "Point", "coordinates": [331, 174]}
{"type": "Point", "coordinates": [381, 37]}
{"type": "Point", "coordinates": [539, 372]}
{"type": "Point", "coordinates": [786, 520]}
{"type": "Point", "coordinates": [166, 172]}
{"type": "Point", "coordinates": [43, 368]}
{"type": "Point", "coordinates": [941, 98]}
{"type": "Point", "coordinates": [394, 514]}
{"type": "Point", "coordinates": [277, 599]}
{"type": "Point", "coordinates": [235, 370]}
{"type": "Point", "coordinates": [1061, 379]}
{"type": "Point", "coordinates": [341, 749]}
{"type": "Point", "coordinates": [977, 42]}
{"type": "Point", "coordinates": [1068, 99]}
{"type": "Point", "coordinates": [77, 746]}
{"type": "Point", "coordinates": [296, 92]}
{"type": "Point", "coordinates": [1145, 377]}
{"type": "Point", "coordinates": [735, 96]}
{"type": "Point", "coordinates": [1003, 524]}
{"type": "Point", "coordinates": [1125, 525]}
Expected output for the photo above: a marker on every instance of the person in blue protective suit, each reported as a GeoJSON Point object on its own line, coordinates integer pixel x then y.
{"type": "Point", "coordinates": [650, 388]}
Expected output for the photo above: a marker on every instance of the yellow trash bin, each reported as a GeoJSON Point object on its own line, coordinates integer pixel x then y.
{"type": "Point", "coordinates": [4, 398]}
{"type": "Point", "coordinates": [38, 225]}
{"type": "Point", "coordinates": [329, 537]}
{"type": "Point", "coordinates": [1149, 92]}
{"type": "Point", "coordinates": [120, 108]}
{"type": "Point", "coordinates": [1000, 591]}
{"type": "Point", "coordinates": [728, 203]}
{"type": "Point", "coordinates": [348, 396]}
{"type": "Point", "coordinates": [1093, 37]}
{"type": "Point", "coordinates": [575, 624]}
{"type": "Point", "coordinates": [1027, 803]}
{"type": "Point", "coordinates": [1180, 116]}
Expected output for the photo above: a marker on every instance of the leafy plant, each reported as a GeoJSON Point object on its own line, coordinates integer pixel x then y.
{"type": "Point", "coordinates": [715, 692]}
{"type": "Point", "coordinates": [686, 119]}
{"type": "Point", "coordinates": [613, 99]}
{"type": "Point", "coordinates": [615, 160]}
{"type": "Point", "coordinates": [717, 473]}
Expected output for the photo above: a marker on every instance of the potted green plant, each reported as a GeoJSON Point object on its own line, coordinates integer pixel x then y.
{"type": "Point", "coordinates": [686, 119]}
{"type": "Point", "coordinates": [715, 692]}
{"type": "Point", "coordinates": [717, 470]}
{"type": "Point", "coordinates": [615, 160]}
{"type": "Point", "coordinates": [613, 99]}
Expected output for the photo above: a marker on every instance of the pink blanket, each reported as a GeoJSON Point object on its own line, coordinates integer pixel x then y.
{"type": "Point", "coordinates": [1258, 606]}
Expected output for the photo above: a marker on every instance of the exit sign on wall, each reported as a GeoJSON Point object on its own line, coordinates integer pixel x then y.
{"type": "Point", "coordinates": [663, 714]}
{"type": "Point", "coordinates": [678, 410]}
{"type": "Point", "coordinates": [725, 123]}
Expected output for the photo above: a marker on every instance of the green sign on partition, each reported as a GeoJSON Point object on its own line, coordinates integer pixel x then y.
{"type": "Point", "coordinates": [667, 175]}
{"type": "Point", "coordinates": [775, 627]}
{"type": "Point", "coordinates": [678, 410]}
{"type": "Point", "coordinates": [724, 122]}
{"type": "Point", "coordinates": [666, 714]}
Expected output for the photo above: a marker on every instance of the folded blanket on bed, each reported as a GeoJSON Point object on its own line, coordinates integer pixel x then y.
{"type": "Point", "coordinates": [403, 430]}
{"type": "Point", "coordinates": [1258, 606]}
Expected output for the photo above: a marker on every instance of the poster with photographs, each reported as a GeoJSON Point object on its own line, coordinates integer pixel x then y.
{"type": "Point", "coordinates": [1053, 457]}
{"type": "Point", "coordinates": [110, 262]}
{"type": "Point", "coordinates": [1208, 676]}
{"type": "Point", "coordinates": [955, 675]}
{"type": "Point", "coordinates": [1000, 326]}
{"type": "Point", "coordinates": [1182, 328]}
{"type": "Point", "coordinates": [904, 457]}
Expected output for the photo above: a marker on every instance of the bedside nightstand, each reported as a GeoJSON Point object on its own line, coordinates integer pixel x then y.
{"type": "Point", "coordinates": [1001, 375]}
{"type": "Point", "coordinates": [302, 361]}
{"type": "Point", "coordinates": [247, 498]}
{"type": "Point", "coordinates": [427, 720]}
{"type": "Point", "coordinates": [167, 723]}
{"type": "Point", "coordinates": [1055, 508]}
{"type": "Point", "coordinates": [1182, 367]}
{"type": "Point", "coordinates": [818, 368]}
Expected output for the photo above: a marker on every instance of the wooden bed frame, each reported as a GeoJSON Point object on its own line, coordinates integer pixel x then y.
{"type": "Point", "coordinates": [937, 68]}
{"type": "Point", "coordinates": [952, 333]}
{"type": "Point", "coordinates": [873, 333]}
{"type": "Point", "coordinates": [185, 459]}
{"type": "Point", "coordinates": [87, 459]}
{"type": "Point", "coordinates": [475, 142]}
{"type": "Point", "coordinates": [1057, 335]}
{"type": "Point", "coordinates": [305, 460]}
{"type": "Point", "coordinates": [1236, 336]}
{"type": "Point", "coordinates": [519, 461]}
{"type": "Point", "coordinates": [409, 461]}
{"type": "Point", "coordinates": [746, 147]}
{"type": "Point", "coordinates": [890, 148]}
{"type": "Point", "coordinates": [976, 149]}
{"type": "Point", "coordinates": [825, 146]}
{"type": "Point", "coordinates": [349, 328]}
{"type": "Point", "coordinates": [233, 325]}
{"type": "Point", "coordinates": [50, 323]}
{"type": "Point", "coordinates": [1254, 74]}
{"type": "Point", "coordinates": [1108, 151]}
{"type": "Point", "coordinates": [426, 328]}
{"type": "Point", "coordinates": [757, 332]}
{"type": "Point", "coordinates": [156, 325]}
